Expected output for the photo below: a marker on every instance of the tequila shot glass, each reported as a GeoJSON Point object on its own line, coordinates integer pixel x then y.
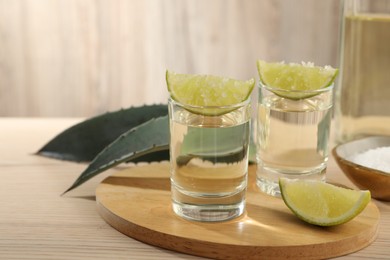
{"type": "Point", "coordinates": [209, 160]}
{"type": "Point", "coordinates": [292, 135]}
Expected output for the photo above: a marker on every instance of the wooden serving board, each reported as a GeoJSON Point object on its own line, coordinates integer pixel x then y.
{"type": "Point", "coordinates": [137, 202]}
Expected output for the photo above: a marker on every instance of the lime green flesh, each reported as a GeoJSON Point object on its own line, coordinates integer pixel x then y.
{"type": "Point", "coordinates": [291, 78]}
{"type": "Point", "coordinates": [321, 203]}
{"type": "Point", "coordinates": [208, 91]}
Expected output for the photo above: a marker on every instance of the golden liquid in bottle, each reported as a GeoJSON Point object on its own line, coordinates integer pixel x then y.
{"type": "Point", "coordinates": [363, 97]}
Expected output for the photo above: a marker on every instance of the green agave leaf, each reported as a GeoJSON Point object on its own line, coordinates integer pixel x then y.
{"type": "Point", "coordinates": [226, 158]}
{"type": "Point", "coordinates": [252, 152]}
{"type": "Point", "coordinates": [204, 143]}
{"type": "Point", "coordinates": [83, 141]}
{"type": "Point", "coordinates": [151, 137]}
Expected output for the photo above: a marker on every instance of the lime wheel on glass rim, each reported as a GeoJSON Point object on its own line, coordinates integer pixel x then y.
{"type": "Point", "coordinates": [207, 94]}
{"type": "Point", "coordinates": [293, 80]}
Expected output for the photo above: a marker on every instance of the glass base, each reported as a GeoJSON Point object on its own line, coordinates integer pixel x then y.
{"type": "Point", "coordinates": [268, 179]}
{"type": "Point", "coordinates": [208, 207]}
{"type": "Point", "coordinates": [269, 187]}
{"type": "Point", "coordinates": [208, 213]}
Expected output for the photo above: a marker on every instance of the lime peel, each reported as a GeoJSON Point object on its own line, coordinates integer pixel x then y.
{"type": "Point", "coordinates": [321, 203]}
{"type": "Point", "coordinates": [295, 81]}
{"type": "Point", "coordinates": [208, 94]}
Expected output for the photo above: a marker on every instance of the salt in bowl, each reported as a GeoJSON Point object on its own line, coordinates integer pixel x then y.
{"type": "Point", "coordinates": [364, 177]}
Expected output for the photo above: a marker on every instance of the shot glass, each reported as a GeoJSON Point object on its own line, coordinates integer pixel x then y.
{"type": "Point", "coordinates": [209, 160]}
{"type": "Point", "coordinates": [292, 135]}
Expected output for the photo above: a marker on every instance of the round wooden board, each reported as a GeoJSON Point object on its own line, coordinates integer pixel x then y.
{"type": "Point", "coordinates": [136, 202]}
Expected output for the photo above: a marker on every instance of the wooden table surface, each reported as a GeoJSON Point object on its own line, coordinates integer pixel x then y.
{"type": "Point", "coordinates": [36, 222]}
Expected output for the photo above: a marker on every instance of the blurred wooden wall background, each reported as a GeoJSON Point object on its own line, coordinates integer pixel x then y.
{"type": "Point", "coordinates": [84, 57]}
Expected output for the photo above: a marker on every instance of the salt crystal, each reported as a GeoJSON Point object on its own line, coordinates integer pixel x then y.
{"type": "Point", "coordinates": [378, 158]}
{"type": "Point", "coordinates": [308, 64]}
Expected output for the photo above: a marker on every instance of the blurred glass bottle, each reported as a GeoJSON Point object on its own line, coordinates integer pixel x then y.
{"type": "Point", "coordinates": [363, 91]}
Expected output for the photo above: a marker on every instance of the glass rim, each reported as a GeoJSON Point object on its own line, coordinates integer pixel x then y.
{"type": "Point", "coordinates": [313, 91]}
{"type": "Point", "coordinates": [233, 106]}
{"type": "Point", "coordinates": [355, 8]}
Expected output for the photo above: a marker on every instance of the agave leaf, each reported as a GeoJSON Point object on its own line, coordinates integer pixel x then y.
{"type": "Point", "coordinates": [252, 152]}
{"type": "Point", "coordinates": [230, 144]}
{"type": "Point", "coordinates": [151, 137]}
{"type": "Point", "coordinates": [83, 141]}
{"type": "Point", "coordinates": [212, 140]}
{"type": "Point", "coordinates": [232, 157]}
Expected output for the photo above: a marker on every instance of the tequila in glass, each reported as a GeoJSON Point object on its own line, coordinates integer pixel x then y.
{"type": "Point", "coordinates": [209, 162]}
{"type": "Point", "coordinates": [292, 137]}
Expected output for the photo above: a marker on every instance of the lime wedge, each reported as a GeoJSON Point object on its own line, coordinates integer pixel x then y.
{"type": "Point", "coordinates": [207, 94]}
{"type": "Point", "coordinates": [295, 81]}
{"type": "Point", "coordinates": [322, 204]}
